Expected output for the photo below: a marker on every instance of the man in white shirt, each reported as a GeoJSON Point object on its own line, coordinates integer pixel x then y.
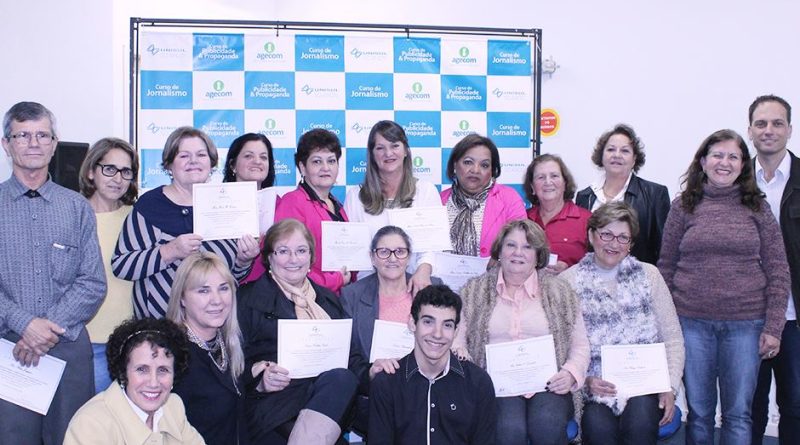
{"type": "Point", "coordinates": [778, 176]}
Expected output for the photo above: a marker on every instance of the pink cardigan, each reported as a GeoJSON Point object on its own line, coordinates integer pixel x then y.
{"type": "Point", "coordinates": [298, 205]}
{"type": "Point", "coordinates": [502, 205]}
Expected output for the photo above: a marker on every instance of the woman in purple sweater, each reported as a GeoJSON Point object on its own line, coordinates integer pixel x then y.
{"type": "Point", "coordinates": [722, 257]}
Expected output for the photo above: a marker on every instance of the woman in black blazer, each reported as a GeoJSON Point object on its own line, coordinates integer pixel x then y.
{"type": "Point", "coordinates": [279, 409]}
{"type": "Point", "coordinates": [620, 154]}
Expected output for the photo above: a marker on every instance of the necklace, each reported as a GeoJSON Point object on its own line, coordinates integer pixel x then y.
{"type": "Point", "coordinates": [216, 348]}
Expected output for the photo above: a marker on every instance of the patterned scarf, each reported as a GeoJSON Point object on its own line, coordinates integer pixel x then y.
{"type": "Point", "coordinates": [303, 297]}
{"type": "Point", "coordinates": [615, 313]}
{"type": "Point", "coordinates": [462, 233]}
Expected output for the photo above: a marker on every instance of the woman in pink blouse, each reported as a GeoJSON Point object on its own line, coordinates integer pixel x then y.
{"type": "Point", "coordinates": [517, 301]}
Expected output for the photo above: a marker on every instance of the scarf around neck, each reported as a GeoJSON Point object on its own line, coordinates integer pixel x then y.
{"type": "Point", "coordinates": [463, 236]}
{"type": "Point", "coordinates": [304, 299]}
{"type": "Point", "coordinates": [615, 313]}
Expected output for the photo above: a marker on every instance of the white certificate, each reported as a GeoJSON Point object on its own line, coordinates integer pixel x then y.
{"type": "Point", "coordinates": [390, 340]}
{"type": "Point", "coordinates": [428, 227]}
{"type": "Point", "coordinates": [636, 370]}
{"type": "Point", "coordinates": [226, 210]}
{"type": "Point", "coordinates": [307, 348]}
{"type": "Point", "coordinates": [266, 208]}
{"type": "Point", "coordinates": [455, 270]}
{"type": "Point", "coordinates": [522, 366]}
{"type": "Point", "coordinates": [345, 244]}
{"type": "Point", "coordinates": [32, 388]}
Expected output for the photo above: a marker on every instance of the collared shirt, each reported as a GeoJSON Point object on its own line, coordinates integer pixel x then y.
{"type": "Point", "coordinates": [457, 407]}
{"type": "Point", "coordinates": [597, 188]}
{"type": "Point", "coordinates": [143, 415]}
{"type": "Point", "coordinates": [53, 267]}
{"type": "Point", "coordinates": [774, 191]}
{"type": "Point", "coordinates": [566, 232]}
{"type": "Point", "coordinates": [522, 316]}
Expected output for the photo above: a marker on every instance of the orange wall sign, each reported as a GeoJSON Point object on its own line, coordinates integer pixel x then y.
{"type": "Point", "coordinates": [549, 122]}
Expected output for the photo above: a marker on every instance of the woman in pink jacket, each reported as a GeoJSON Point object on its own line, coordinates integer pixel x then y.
{"type": "Point", "coordinates": [317, 157]}
{"type": "Point", "coordinates": [477, 206]}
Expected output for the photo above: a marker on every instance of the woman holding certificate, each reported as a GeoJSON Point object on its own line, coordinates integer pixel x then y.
{"type": "Point", "coordinates": [550, 188]}
{"type": "Point", "coordinates": [145, 357]}
{"type": "Point", "coordinates": [250, 159]}
{"type": "Point", "coordinates": [279, 408]}
{"type": "Point", "coordinates": [518, 301]}
{"type": "Point", "coordinates": [317, 158]}
{"type": "Point", "coordinates": [157, 235]}
{"type": "Point", "coordinates": [389, 183]}
{"type": "Point", "coordinates": [625, 302]}
{"type": "Point", "coordinates": [203, 302]}
{"type": "Point", "coordinates": [477, 207]}
{"type": "Point", "coordinates": [724, 261]}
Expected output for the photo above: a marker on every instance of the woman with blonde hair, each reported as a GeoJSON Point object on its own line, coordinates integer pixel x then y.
{"type": "Point", "coordinates": [390, 184]}
{"type": "Point", "coordinates": [203, 302]}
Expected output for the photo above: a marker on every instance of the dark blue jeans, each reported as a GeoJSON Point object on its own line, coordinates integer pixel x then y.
{"type": "Point", "coordinates": [786, 367]}
{"type": "Point", "coordinates": [542, 419]}
{"type": "Point", "coordinates": [724, 352]}
{"type": "Point", "coordinates": [637, 425]}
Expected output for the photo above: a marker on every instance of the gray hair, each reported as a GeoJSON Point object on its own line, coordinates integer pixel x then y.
{"type": "Point", "coordinates": [27, 111]}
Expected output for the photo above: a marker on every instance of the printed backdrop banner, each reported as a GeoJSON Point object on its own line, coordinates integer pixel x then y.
{"type": "Point", "coordinates": [439, 89]}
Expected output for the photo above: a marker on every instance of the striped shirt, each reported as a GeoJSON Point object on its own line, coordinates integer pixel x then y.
{"type": "Point", "coordinates": [155, 221]}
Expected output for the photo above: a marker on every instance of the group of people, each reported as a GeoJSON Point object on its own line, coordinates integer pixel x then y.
{"type": "Point", "coordinates": [178, 336]}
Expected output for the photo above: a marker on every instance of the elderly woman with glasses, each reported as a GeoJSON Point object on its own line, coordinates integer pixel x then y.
{"type": "Point", "coordinates": [383, 295]}
{"type": "Point", "coordinates": [519, 300]}
{"type": "Point", "coordinates": [279, 408]}
{"type": "Point", "coordinates": [625, 302]}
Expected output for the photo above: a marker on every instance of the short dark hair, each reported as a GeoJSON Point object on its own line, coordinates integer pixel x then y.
{"type": "Point", "coordinates": [228, 175]}
{"type": "Point", "coordinates": [770, 98]}
{"type": "Point", "coordinates": [27, 111]}
{"type": "Point", "coordinates": [461, 148]}
{"type": "Point", "coordinates": [159, 332]}
{"type": "Point", "coordinates": [316, 139]}
{"type": "Point", "coordinates": [627, 131]}
{"type": "Point", "coordinates": [569, 181]}
{"type": "Point", "coordinates": [436, 295]}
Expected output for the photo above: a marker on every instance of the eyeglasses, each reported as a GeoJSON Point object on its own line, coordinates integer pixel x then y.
{"type": "Point", "coordinates": [608, 236]}
{"type": "Point", "coordinates": [111, 171]}
{"type": "Point", "coordinates": [23, 138]}
{"type": "Point", "coordinates": [286, 252]}
{"type": "Point", "coordinates": [384, 253]}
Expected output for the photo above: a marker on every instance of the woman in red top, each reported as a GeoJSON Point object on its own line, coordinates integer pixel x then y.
{"type": "Point", "coordinates": [550, 188]}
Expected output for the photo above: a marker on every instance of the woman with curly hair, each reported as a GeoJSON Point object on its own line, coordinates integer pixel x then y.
{"type": "Point", "coordinates": [144, 358]}
{"type": "Point", "coordinates": [724, 262]}
{"type": "Point", "coordinates": [620, 154]}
